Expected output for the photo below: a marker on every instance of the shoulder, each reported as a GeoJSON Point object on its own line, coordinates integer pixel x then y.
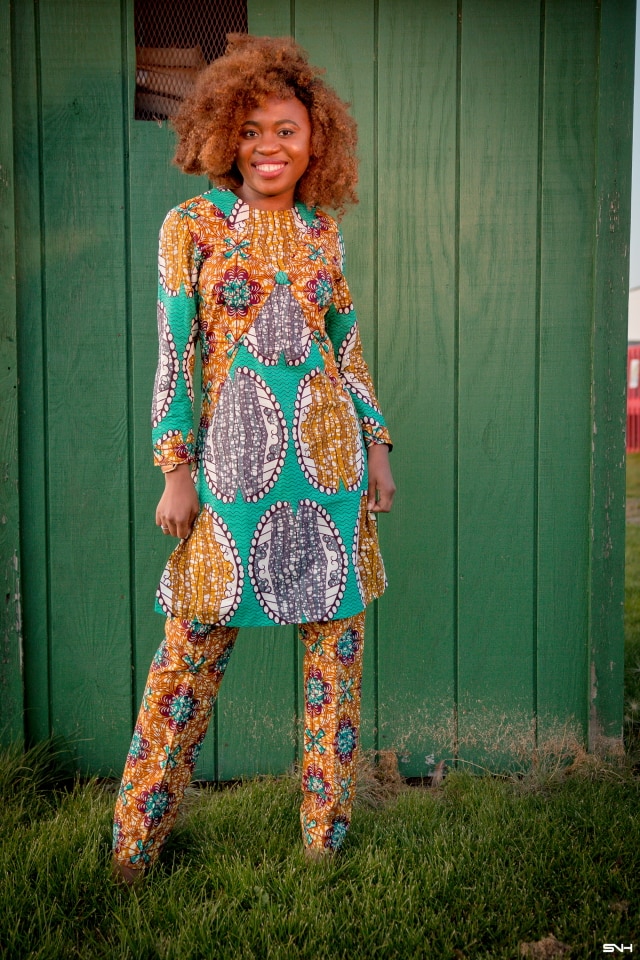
{"type": "Point", "coordinates": [214, 205]}
{"type": "Point", "coordinates": [316, 219]}
{"type": "Point", "coordinates": [323, 230]}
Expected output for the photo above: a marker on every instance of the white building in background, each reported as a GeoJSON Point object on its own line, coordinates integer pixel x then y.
{"type": "Point", "coordinates": [634, 315]}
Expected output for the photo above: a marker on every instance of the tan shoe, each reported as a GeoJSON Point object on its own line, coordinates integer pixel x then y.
{"type": "Point", "coordinates": [319, 854]}
{"type": "Point", "coordinates": [123, 874]}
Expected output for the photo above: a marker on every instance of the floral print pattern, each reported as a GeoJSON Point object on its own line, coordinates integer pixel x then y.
{"type": "Point", "coordinates": [154, 803]}
{"type": "Point", "coordinates": [318, 692]}
{"type": "Point", "coordinates": [179, 707]}
{"type": "Point", "coordinates": [346, 740]}
{"type": "Point", "coordinates": [319, 288]}
{"type": "Point", "coordinates": [336, 832]}
{"type": "Point", "coordinates": [182, 687]}
{"type": "Point", "coordinates": [313, 781]}
{"type": "Point", "coordinates": [348, 646]}
{"type": "Point", "coordinates": [332, 664]}
{"type": "Point", "coordinates": [236, 292]}
{"type": "Point", "coordinates": [139, 749]}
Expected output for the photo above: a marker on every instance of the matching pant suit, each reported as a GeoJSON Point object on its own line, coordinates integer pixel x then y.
{"type": "Point", "coordinates": [181, 689]}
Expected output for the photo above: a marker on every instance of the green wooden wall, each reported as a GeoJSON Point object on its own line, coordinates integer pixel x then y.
{"type": "Point", "coordinates": [489, 261]}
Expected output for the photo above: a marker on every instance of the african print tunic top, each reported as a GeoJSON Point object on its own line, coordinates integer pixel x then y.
{"type": "Point", "coordinates": [287, 411]}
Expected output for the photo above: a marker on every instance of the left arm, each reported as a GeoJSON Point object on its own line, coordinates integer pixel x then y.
{"type": "Point", "coordinates": [381, 486]}
{"type": "Point", "coordinates": [342, 329]}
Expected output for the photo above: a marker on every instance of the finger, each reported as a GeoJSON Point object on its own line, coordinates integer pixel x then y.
{"type": "Point", "coordinates": [385, 502]}
{"type": "Point", "coordinates": [183, 530]}
{"type": "Point", "coordinates": [371, 494]}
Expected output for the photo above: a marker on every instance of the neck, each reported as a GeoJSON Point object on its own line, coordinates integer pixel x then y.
{"type": "Point", "coordinates": [282, 202]}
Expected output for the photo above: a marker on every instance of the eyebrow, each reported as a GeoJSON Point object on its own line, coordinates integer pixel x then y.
{"type": "Point", "coordinates": [254, 123]}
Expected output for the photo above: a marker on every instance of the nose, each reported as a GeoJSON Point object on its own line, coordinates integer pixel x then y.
{"type": "Point", "coordinates": [268, 144]}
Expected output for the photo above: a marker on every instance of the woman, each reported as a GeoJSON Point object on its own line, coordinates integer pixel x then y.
{"type": "Point", "coordinates": [275, 501]}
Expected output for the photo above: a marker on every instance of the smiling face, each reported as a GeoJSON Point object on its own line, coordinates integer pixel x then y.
{"type": "Point", "coordinates": [273, 153]}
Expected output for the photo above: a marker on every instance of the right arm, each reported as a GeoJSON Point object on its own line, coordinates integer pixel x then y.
{"type": "Point", "coordinates": [172, 414]}
{"type": "Point", "coordinates": [178, 506]}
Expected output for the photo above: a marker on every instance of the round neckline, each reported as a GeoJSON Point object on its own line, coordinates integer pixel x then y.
{"type": "Point", "coordinates": [243, 214]}
{"type": "Point", "coordinates": [236, 211]}
{"type": "Point", "coordinates": [263, 209]}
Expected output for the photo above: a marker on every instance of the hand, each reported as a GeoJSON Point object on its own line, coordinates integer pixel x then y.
{"type": "Point", "coordinates": [179, 505]}
{"type": "Point", "coordinates": [381, 486]}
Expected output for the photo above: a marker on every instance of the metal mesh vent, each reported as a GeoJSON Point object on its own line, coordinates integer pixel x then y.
{"type": "Point", "coordinates": [174, 40]}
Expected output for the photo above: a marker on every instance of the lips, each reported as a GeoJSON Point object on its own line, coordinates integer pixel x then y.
{"type": "Point", "coordinates": [269, 170]}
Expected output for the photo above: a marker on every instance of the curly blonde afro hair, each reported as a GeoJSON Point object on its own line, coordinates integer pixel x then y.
{"type": "Point", "coordinates": [252, 70]}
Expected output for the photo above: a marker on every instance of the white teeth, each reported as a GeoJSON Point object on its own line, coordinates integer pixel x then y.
{"type": "Point", "coordinates": [269, 167]}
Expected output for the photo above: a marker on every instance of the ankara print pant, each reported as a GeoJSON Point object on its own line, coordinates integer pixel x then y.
{"type": "Point", "coordinates": [182, 687]}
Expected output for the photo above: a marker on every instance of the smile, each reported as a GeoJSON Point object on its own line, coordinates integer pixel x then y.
{"type": "Point", "coordinates": [269, 169]}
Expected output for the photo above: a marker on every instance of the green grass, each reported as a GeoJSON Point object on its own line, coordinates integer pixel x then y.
{"type": "Point", "coordinates": [472, 869]}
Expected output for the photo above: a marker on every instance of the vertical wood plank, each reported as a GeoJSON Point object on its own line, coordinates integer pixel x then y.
{"type": "Point", "coordinates": [270, 18]}
{"type": "Point", "coordinates": [611, 281]}
{"type": "Point", "coordinates": [566, 298]}
{"type": "Point", "coordinates": [328, 33]}
{"type": "Point", "coordinates": [246, 719]}
{"type": "Point", "coordinates": [257, 724]}
{"type": "Point", "coordinates": [256, 730]}
{"type": "Point", "coordinates": [11, 694]}
{"type": "Point", "coordinates": [31, 416]}
{"type": "Point", "coordinates": [498, 335]}
{"type": "Point", "coordinates": [155, 185]}
{"type": "Point", "coordinates": [86, 378]}
{"type": "Point", "coordinates": [416, 188]}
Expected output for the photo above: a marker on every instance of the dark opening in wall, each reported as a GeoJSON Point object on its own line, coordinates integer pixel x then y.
{"type": "Point", "coordinates": [174, 40]}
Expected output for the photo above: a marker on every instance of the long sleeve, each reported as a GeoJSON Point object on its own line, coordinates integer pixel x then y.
{"type": "Point", "coordinates": [172, 408]}
{"type": "Point", "coordinates": [342, 329]}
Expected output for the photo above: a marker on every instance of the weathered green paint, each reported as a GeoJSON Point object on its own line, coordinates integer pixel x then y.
{"type": "Point", "coordinates": [490, 281]}
{"type": "Point", "coordinates": [567, 216]}
{"type": "Point", "coordinates": [31, 369]}
{"type": "Point", "coordinates": [496, 362]}
{"type": "Point", "coordinates": [351, 68]}
{"type": "Point", "coordinates": [85, 341]}
{"type": "Point", "coordinates": [11, 691]}
{"type": "Point", "coordinates": [610, 292]}
{"type": "Point", "coordinates": [416, 269]}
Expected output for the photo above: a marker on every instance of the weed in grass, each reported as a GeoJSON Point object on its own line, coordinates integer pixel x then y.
{"type": "Point", "coordinates": [549, 948]}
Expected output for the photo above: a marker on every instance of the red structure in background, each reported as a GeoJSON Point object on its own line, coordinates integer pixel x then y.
{"type": "Point", "coordinates": [633, 399]}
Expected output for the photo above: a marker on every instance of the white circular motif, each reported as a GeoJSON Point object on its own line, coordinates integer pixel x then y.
{"type": "Point", "coordinates": [247, 440]}
{"type": "Point", "coordinates": [168, 368]}
{"type": "Point", "coordinates": [297, 563]}
{"type": "Point", "coordinates": [279, 328]}
{"type": "Point", "coordinates": [349, 377]}
{"type": "Point", "coordinates": [233, 591]}
{"type": "Point", "coordinates": [227, 544]}
{"type": "Point", "coordinates": [304, 405]}
{"type": "Point", "coordinates": [355, 556]}
{"type": "Point", "coordinates": [188, 361]}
